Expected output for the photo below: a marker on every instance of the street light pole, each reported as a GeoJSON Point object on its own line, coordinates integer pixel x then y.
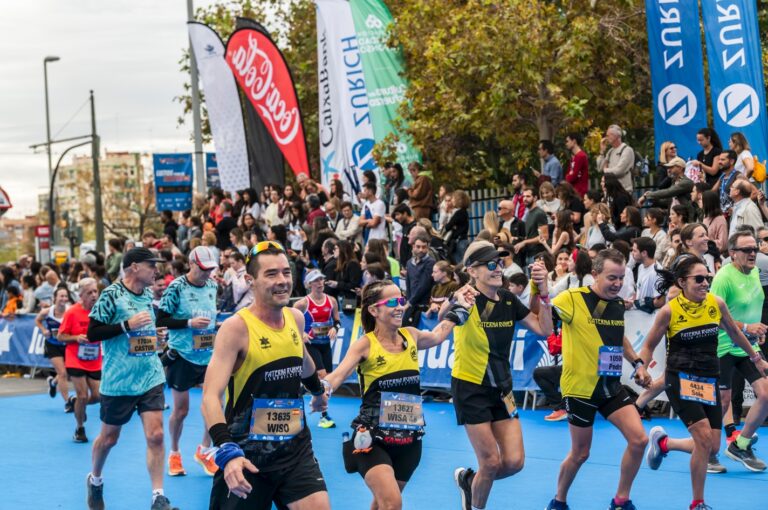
{"type": "Point", "coordinates": [199, 165]}
{"type": "Point", "coordinates": [98, 216]}
{"type": "Point", "coordinates": [48, 131]}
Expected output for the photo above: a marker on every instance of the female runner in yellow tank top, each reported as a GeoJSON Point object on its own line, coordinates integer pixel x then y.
{"type": "Point", "coordinates": [386, 446]}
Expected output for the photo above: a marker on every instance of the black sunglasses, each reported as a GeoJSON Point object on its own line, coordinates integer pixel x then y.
{"type": "Point", "coordinates": [765, 239]}
{"type": "Point", "coordinates": [700, 278]}
{"type": "Point", "coordinates": [748, 251]}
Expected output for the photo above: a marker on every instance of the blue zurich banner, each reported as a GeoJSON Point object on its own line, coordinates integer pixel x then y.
{"type": "Point", "coordinates": [736, 71]}
{"type": "Point", "coordinates": [21, 342]}
{"type": "Point", "coordinates": [173, 181]}
{"type": "Point", "coordinates": [212, 178]}
{"type": "Point", "coordinates": [677, 73]}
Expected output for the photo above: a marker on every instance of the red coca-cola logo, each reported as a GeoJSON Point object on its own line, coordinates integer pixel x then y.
{"type": "Point", "coordinates": [263, 75]}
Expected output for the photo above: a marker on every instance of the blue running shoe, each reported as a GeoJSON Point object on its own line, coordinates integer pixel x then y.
{"type": "Point", "coordinates": [557, 505]}
{"type": "Point", "coordinates": [628, 505]}
{"type": "Point", "coordinates": [654, 455]}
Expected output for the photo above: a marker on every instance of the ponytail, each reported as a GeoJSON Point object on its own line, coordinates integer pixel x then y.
{"type": "Point", "coordinates": [680, 269]}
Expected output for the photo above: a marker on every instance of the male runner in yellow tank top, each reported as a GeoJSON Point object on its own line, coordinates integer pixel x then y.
{"type": "Point", "coordinates": [265, 451]}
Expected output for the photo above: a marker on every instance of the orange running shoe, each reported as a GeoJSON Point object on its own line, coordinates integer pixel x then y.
{"type": "Point", "coordinates": [558, 415]}
{"type": "Point", "coordinates": [174, 465]}
{"type": "Point", "coordinates": [204, 457]}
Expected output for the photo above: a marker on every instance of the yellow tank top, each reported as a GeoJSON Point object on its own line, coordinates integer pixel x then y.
{"type": "Point", "coordinates": [692, 336]}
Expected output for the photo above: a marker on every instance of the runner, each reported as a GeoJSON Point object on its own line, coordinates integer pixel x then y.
{"type": "Point", "coordinates": [386, 444]}
{"type": "Point", "coordinates": [264, 446]}
{"type": "Point", "coordinates": [738, 285]}
{"type": "Point", "coordinates": [49, 321]}
{"type": "Point", "coordinates": [83, 359]}
{"type": "Point", "coordinates": [132, 375]}
{"type": "Point", "coordinates": [481, 380]}
{"type": "Point", "coordinates": [188, 310]}
{"type": "Point", "coordinates": [593, 348]}
{"type": "Point", "coordinates": [321, 325]}
{"type": "Point", "coordinates": [690, 322]}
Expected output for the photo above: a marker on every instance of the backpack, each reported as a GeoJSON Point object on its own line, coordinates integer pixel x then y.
{"type": "Point", "coordinates": [640, 166]}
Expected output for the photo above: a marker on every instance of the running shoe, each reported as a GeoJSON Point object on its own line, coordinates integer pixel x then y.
{"type": "Point", "coordinates": [557, 415]}
{"type": "Point", "coordinates": [80, 436]}
{"type": "Point", "coordinates": [736, 433]}
{"type": "Point", "coordinates": [714, 466]}
{"type": "Point", "coordinates": [174, 465]}
{"type": "Point", "coordinates": [69, 405]}
{"type": "Point", "coordinates": [51, 386]}
{"type": "Point", "coordinates": [557, 505]}
{"type": "Point", "coordinates": [162, 503]}
{"type": "Point", "coordinates": [95, 494]}
{"type": "Point", "coordinates": [627, 505]}
{"type": "Point", "coordinates": [204, 457]}
{"type": "Point", "coordinates": [463, 477]}
{"type": "Point", "coordinates": [326, 423]}
{"type": "Point", "coordinates": [654, 455]}
{"type": "Point", "coordinates": [746, 457]}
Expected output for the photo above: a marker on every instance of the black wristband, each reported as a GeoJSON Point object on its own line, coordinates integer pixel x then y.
{"type": "Point", "coordinates": [337, 325]}
{"type": "Point", "coordinates": [313, 384]}
{"type": "Point", "coordinates": [638, 361]}
{"type": "Point", "coordinates": [219, 433]}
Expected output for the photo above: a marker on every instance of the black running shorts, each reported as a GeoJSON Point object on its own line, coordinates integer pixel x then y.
{"type": "Point", "coordinates": [53, 351]}
{"type": "Point", "coordinates": [281, 487]}
{"type": "Point", "coordinates": [746, 368]}
{"type": "Point", "coordinates": [118, 410]}
{"type": "Point", "coordinates": [404, 459]}
{"type": "Point", "coordinates": [691, 412]}
{"type": "Point", "coordinates": [79, 372]}
{"type": "Point", "coordinates": [582, 411]}
{"type": "Point", "coordinates": [476, 404]}
{"type": "Point", "coordinates": [322, 356]}
{"type": "Point", "coordinates": [181, 375]}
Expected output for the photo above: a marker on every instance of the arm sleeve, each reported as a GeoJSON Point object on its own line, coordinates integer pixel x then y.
{"type": "Point", "coordinates": [98, 331]}
{"type": "Point", "coordinates": [164, 320]}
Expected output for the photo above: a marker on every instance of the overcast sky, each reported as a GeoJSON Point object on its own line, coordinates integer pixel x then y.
{"type": "Point", "coordinates": [127, 51]}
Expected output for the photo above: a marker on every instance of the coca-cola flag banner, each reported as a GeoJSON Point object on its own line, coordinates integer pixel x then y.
{"type": "Point", "coordinates": [223, 104]}
{"type": "Point", "coordinates": [677, 73]}
{"type": "Point", "coordinates": [263, 75]}
{"type": "Point", "coordinates": [736, 71]}
{"type": "Point", "coordinates": [173, 181]}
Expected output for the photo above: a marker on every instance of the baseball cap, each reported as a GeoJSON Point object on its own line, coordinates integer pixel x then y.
{"type": "Point", "coordinates": [481, 252]}
{"type": "Point", "coordinates": [312, 276]}
{"type": "Point", "coordinates": [139, 255]}
{"type": "Point", "coordinates": [676, 161]}
{"type": "Point", "coordinates": [204, 258]}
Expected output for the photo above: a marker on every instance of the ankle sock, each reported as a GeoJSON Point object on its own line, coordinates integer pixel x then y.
{"type": "Point", "coordinates": [730, 429]}
{"type": "Point", "coordinates": [620, 501]}
{"type": "Point", "coordinates": [694, 503]}
{"type": "Point", "coordinates": [663, 445]}
{"type": "Point", "coordinates": [95, 480]}
{"type": "Point", "coordinates": [743, 442]}
{"type": "Point", "coordinates": [156, 493]}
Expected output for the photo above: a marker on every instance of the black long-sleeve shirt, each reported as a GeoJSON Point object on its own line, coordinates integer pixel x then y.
{"type": "Point", "coordinates": [458, 224]}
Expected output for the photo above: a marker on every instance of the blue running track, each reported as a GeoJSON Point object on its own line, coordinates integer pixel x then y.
{"type": "Point", "coordinates": [44, 469]}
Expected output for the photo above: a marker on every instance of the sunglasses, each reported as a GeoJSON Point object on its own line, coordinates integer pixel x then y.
{"type": "Point", "coordinates": [391, 302]}
{"type": "Point", "coordinates": [492, 264]}
{"type": "Point", "coordinates": [263, 246]}
{"type": "Point", "coordinates": [701, 278]}
{"type": "Point", "coordinates": [765, 239]}
{"type": "Point", "coordinates": [748, 251]}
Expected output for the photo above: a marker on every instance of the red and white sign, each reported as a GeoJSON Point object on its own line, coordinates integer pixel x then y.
{"type": "Point", "coordinates": [43, 243]}
{"type": "Point", "coordinates": [261, 72]}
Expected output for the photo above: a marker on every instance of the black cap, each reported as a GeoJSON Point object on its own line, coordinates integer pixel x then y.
{"type": "Point", "coordinates": [484, 255]}
{"type": "Point", "coordinates": [139, 255]}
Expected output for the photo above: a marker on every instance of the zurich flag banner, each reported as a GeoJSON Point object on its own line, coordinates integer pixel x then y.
{"type": "Point", "coordinates": [736, 71]}
{"type": "Point", "coordinates": [677, 73]}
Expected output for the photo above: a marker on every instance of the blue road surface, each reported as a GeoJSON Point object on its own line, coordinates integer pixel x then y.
{"type": "Point", "coordinates": [44, 469]}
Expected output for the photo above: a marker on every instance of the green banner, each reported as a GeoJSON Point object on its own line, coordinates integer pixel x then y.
{"type": "Point", "coordinates": [382, 68]}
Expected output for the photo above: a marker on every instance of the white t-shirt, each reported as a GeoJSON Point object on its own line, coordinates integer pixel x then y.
{"type": "Point", "coordinates": [739, 166]}
{"type": "Point", "coordinates": [627, 292]}
{"type": "Point", "coordinates": [370, 211]}
{"type": "Point", "coordinates": [646, 281]}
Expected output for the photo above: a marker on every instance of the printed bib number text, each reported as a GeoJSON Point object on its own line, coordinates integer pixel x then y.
{"type": "Point", "coordinates": [88, 352]}
{"type": "Point", "coordinates": [698, 389]}
{"type": "Point", "coordinates": [202, 339]}
{"type": "Point", "coordinates": [610, 360]}
{"type": "Point", "coordinates": [276, 419]}
{"type": "Point", "coordinates": [400, 411]}
{"type": "Point", "coordinates": [142, 343]}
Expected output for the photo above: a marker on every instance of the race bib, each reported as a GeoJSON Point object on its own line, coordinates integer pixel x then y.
{"type": "Point", "coordinates": [698, 389]}
{"type": "Point", "coordinates": [610, 360]}
{"type": "Point", "coordinates": [88, 352]}
{"type": "Point", "coordinates": [400, 411]}
{"type": "Point", "coordinates": [510, 404]}
{"type": "Point", "coordinates": [142, 342]}
{"type": "Point", "coordinates": [276, 419]}
{"type": "Point", "coordinates": [202, 339]}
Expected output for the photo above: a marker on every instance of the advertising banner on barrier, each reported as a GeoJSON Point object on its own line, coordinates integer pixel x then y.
{"type": "Point", "coordinates": [173, 181]}
{"type": "Point", "coordinates": [383, 69]}
{"type": "Point", "coordinates": [736, 71]}
{"type": "Point", "coordinates": [677, 73]}
{"type": "Point", "coordinates": [343, 63]}
{"type": "Point", "coordinates": [212, 177]}
{"type": "Point", "coordinates": [223, 104]}
{"type": "Point", "coordinates": [21, 342]}
{"type": "Point", "coordinates": [265, 79]}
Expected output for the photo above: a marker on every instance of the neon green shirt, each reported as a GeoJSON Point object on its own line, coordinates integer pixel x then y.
{"type": "Point", "coordinates": [744, 296]}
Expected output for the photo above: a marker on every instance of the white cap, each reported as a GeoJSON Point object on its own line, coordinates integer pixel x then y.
{"type": "Point", "coordinates": [204, 258]}
{"type": "Point", "coordinates": [313, 275]}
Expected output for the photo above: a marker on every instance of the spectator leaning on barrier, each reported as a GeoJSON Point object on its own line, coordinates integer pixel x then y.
{"type": "Point", "coordinates": [680, 189]}
{"type": "Point", "coordinates": [616, 157]}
